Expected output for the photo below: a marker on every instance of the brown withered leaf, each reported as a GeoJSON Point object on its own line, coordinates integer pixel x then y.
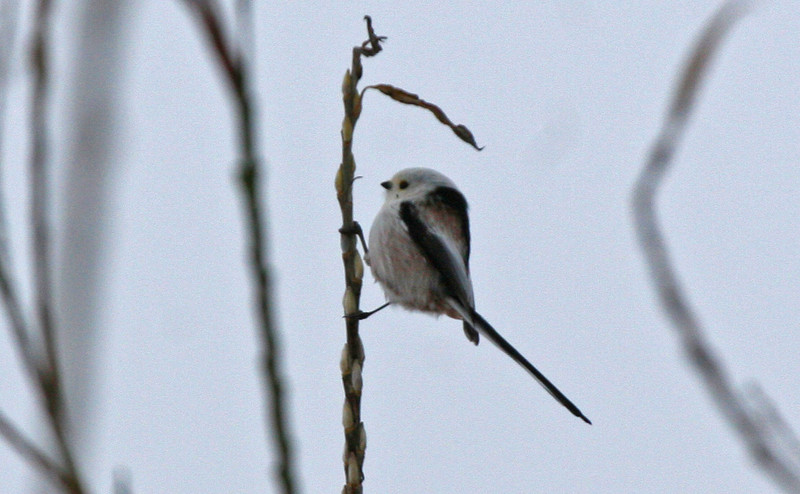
{"type": "Point", "coordinates": [407, 98]}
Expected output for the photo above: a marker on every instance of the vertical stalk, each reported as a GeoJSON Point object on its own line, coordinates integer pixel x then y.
{"type": "Point", "coordinates": [352, 361]}
{"type": "Point", "coordinates": [234, 68]}
{"type": "Point", "coordinates": [48, 369]}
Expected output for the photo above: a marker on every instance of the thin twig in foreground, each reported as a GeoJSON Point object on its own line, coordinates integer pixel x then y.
{"type": "Point", "coordinates": [48, 370]}
{"type": "Point", "coordinates": [9, 26]}
{"type": "Point", "coordinates": [40, 193]}
{"type": "Point", "coordinates": [674, 302]}
{"type": "Point", "coordinates": [8, 285]}
{"type": "Point", "coordinates": [18, 326]}
{"type": "Point", "coordinates": [39, 363]}
{"type": "Point", "coordinates": [31, 452]}
{"type": "Point", "coordinates": [234, 70]}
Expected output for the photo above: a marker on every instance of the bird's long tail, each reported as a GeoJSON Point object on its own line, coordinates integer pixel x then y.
{"type": "Point", "coordinates": [483, 327]}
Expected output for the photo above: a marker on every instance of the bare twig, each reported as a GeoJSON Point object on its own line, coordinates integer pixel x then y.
{"type": "Point", "coordinates": [9, 26]}
{"type": "Point", "coordinates": [234, 69]}
{"type": "Point", "coordinates": [40, 197]}
{"type": "Point", "coordinates": [775, 425]}
{"type": "Point", "coordinates": [89, 161]}
{"type": "Point", "coordinates": [18, 326]}
{"type": "Point", "coordinates": [41, 364]}
{"type": "Point", "coordinates": [33, 454]}
{"type": "Point", "coordinates": [405, 97]}
{"type": "Point", "coordinates": [48, 369]}
{"type": "Point", "coordinates": [674, 302]}
{"type": "Point", "coordinates": [353, 354]}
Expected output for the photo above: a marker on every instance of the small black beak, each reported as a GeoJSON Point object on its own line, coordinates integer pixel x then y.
{"type": "Point", "coordinates": [387, 185]}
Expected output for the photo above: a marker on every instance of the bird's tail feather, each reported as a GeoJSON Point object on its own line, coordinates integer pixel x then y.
{"type": "Point", "coordinates": [472, 335]}
{"type": "Point", "coordinates": [478, 322]}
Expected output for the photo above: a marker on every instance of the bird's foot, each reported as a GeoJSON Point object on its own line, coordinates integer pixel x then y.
{"type": "Point", "coordinates": [355, 229]}
{"type": "Point", "coordinates": [361, 315]}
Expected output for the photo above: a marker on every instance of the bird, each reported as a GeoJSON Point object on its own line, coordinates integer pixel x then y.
{"type": "Point", "coordinates": [418, 251]}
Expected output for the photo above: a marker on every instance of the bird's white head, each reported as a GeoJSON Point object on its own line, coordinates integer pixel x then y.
{"type": "Point", "coordinates": [414, 183]}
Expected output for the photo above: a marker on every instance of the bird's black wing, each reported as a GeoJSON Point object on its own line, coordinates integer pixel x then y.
{"type": "Point", "coordinates": [456, 204]}
{"type": "Point", "coordinates": [455, 280]}
{"type": "Point", "coordinates": [443, 257]}
{"type": "Point", "coordinates": [449, 199]}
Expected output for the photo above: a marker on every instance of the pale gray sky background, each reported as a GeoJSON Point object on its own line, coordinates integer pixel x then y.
{"type": "Point", "coordinates": [566, 97]}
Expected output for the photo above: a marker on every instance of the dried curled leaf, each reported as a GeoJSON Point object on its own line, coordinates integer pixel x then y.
{"type": "Point", "coordinates": [407, 98]}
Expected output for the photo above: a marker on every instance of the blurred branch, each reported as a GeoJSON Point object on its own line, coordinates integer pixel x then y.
{"type": "Point", "coordinates": [776, 425]}
{"type": "Point", "coordinates": [775, 463]}
{"type": "Point", "coordinates": [9, 25]}
{"type": "Point", "coordinates": [234, 69]}
{"type": "Point", "coordinates": [40, 363]}
{"type": "Point", "coordinates": [18, 328]}
{"type": "Point", "coordinates": [47, 368]}
{"type": "Point", "coordinates": [353, 354]}
{"type": "Point", "coordinates": [40, 193]}
{"type": "Point", "coordinates": [89, 150]}
{"type": "Point", "coordinates": [31, 452]}
{"type": "Point", "coordinates": [244, 29]}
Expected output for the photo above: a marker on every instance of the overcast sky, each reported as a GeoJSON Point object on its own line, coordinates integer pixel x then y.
{"type": "Point", "coordinates": [566, 97]}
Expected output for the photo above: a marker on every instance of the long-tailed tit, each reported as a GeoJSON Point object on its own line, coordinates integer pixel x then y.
{"type": "Point", "coordinates": [419, 253]}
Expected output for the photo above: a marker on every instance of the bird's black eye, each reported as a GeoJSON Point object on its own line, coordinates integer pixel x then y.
{"type": "Point", "coordinates": [403, 184]}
